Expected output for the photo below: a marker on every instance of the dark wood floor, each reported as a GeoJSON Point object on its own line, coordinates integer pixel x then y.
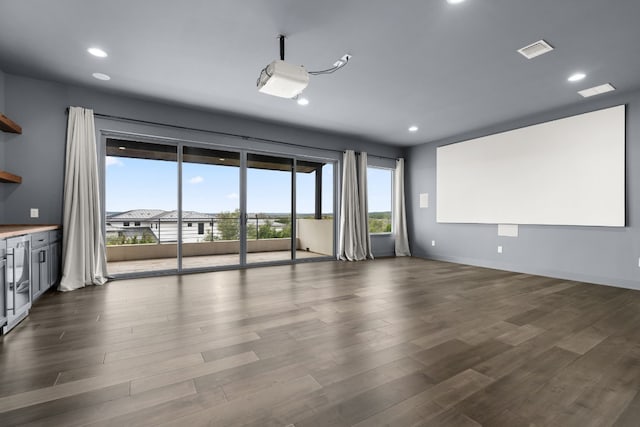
{"type": "Point", "coordinates": [398, 342]}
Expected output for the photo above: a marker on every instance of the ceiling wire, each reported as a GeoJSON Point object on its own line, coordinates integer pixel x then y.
{"type": "Point", "coordinates": [331, 70]}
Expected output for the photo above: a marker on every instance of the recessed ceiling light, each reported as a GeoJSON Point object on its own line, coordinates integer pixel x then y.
{"type": "Point", "coordinates": [454, 1]}
{"type": "Point", "coordinates": [96, 51]}
{"type": "Point", "coordinates": [101, 76]}
{"type": "Point", "coordinates": [303, 101]}
{"type": "Point", "coordinates": [122, 148]}
{"type": "Point", "coordinates": [221, 159]}
{"type": "Point", "coordinates": [597, 90]}
{"type": "Point", "coordinates": [576, 77]}
{"type": "Point", "coordinates": [413, 129]}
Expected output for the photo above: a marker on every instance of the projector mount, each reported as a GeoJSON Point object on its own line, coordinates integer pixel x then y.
{"type": "Point", "coordinates": [287, 80]}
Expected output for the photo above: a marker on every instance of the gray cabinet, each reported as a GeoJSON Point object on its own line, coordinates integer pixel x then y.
{"type": "Point", "coordinates": [29, 266]}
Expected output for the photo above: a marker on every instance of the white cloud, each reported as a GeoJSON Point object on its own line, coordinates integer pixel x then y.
{"type": "Point", "coordinates": [113, 161]}
{"type": "Point", "coordinates": [196, 180]}
{"type": "Point", "coordinates": [233, 196]}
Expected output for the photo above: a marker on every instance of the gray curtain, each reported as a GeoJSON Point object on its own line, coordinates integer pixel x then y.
{"type": "Point", "coordinates": [84, 260]}
{"type": "Point", "coordinates": [364, 205]}
{"type": "Point", "coordinates": [399, 211]}
{"type": "Point", "coordinates": [355, 243]}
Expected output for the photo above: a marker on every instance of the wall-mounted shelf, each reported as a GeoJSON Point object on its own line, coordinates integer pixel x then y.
{"type": "Point", "coordinates": [10, 178]}
{"type": "Point", "coordinates": [8, 125]}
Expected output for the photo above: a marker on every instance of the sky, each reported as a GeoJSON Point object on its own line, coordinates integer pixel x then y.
{"type": "Point", "coordinates": [152, 184]}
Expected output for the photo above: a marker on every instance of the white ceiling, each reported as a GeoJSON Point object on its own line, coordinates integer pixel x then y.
{"type": "Point", "coordinates": [448, 69]}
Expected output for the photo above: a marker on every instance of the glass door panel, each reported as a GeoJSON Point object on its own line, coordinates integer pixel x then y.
{"type": "Point", "coordinates": [141, 194]}
{"type": "Point", "coordinates": [210, 208]}
{"type": "Point", "coordinates": [314, 209]}
{"type": "Point", "coordinates": [269, 191]}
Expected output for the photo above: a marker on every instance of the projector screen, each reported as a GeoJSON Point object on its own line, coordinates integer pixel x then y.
{"type": "Point", "coordinates": [565, 172]}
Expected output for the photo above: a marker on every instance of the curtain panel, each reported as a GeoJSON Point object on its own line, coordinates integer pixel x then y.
{"type": "Point", "coordinates": [84, 260]}
{"type": "Point", "coordinates": [399, 212]}
{"type": "Point", "coordinates": [354, 239]}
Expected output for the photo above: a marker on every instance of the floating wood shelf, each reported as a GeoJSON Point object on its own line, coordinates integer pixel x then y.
{"type": "Point", "coordinates": [9, 177]}
{"type": "Point", "coordinates": [8, 125]}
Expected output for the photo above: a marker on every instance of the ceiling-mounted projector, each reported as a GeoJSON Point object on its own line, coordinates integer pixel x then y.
{"type": "Point", "coordinates": [288, 80]}
{"type": "Point", "coordinates": [283, 79]}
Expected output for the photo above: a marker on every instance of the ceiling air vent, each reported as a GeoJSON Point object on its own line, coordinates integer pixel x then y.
{"type": "Point", "coordinates": [535, 49]}
{"type": "Point", "coordinates": [597, 90]}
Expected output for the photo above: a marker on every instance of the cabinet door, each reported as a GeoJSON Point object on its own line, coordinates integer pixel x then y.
{"type": "Point", "coordinates": [54, 263]}
{"type": "Point", "coordinates": [35, 274]}
{"type": "Point", "coordinates": [44, 269]}
{"type": "Point", "coordinates": [19, 275]}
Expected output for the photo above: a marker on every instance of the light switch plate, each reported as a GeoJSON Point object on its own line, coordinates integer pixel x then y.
{"type": "Point", "coordinates": [424, 200]}
{"type": "Point", "coordinates": [499, 249]}
{"type": "Point", "coordinates": [34, 212]}
{"type": "Point", "coordinates": [433, 243]}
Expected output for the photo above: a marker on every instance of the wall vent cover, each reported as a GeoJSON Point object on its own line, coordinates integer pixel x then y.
{"type": "Point", "coordinates": [597, 90]}
{"type": "Point", "coordinates": [535, 49]}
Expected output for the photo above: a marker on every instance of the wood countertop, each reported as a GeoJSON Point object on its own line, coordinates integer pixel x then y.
{"type": "Point", "coordinates": [11, 230]}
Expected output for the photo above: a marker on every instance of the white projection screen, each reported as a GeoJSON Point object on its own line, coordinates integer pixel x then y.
{"type": "Point", "coordinates": [565, 172]}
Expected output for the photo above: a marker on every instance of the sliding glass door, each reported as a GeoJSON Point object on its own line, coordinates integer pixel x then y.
{"type": "Point", "coordinates": [210, 208]}
{"type": "Point", "coordinates": [181, 207]}
{"type": "Point", "coordinates": [141, 204]}
{"type": "Point", "coordinates": [314, 209]}
{"type": "Point", "coordinates": [269, 208]}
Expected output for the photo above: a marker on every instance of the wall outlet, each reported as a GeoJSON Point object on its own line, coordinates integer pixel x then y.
{"type": "Point", "coordinates": [638, 262]}
{"type": "Point", "coordinates": [34, 212]}
{"type": "Point", "coordinates": [433, 243]}
{"type": "Point", "coordinates": [499, 249]}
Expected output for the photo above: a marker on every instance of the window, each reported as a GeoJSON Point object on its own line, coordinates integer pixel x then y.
{"type": "Point", "coordinates": [137, 223]}
{"type": "Point", "coordinates": [189, 224]}
{"type": "Point", "coordinates": [126, 224]}
{"type": "Point", "coordinates": [380, 183]}
{"type": "Point", "coordinates": [201, 228]}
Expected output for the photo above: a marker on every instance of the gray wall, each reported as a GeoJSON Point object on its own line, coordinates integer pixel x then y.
{"type": "Point", "coordinates": [594, 254]}
{"type": "Point", "coordinates": [38, 155]}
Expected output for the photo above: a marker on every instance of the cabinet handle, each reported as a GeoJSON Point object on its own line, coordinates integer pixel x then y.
{"type": "Point", "coordinates": [13, 275]}
{"type": "Point", "coordinates": [3, 264]}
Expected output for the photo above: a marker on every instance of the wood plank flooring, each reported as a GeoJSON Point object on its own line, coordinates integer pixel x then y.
{"type": "Point", "coordinates": [390, 342]}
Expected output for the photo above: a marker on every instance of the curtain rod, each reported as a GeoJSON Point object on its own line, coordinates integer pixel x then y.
{"type": "Point", "coordinates": [233, 135]}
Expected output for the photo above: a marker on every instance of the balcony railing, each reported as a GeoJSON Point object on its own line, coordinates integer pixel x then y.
{"type": "Point", "coordinates": [121, 231]}
{"type": "Point", "coordinates": [145, 239]}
